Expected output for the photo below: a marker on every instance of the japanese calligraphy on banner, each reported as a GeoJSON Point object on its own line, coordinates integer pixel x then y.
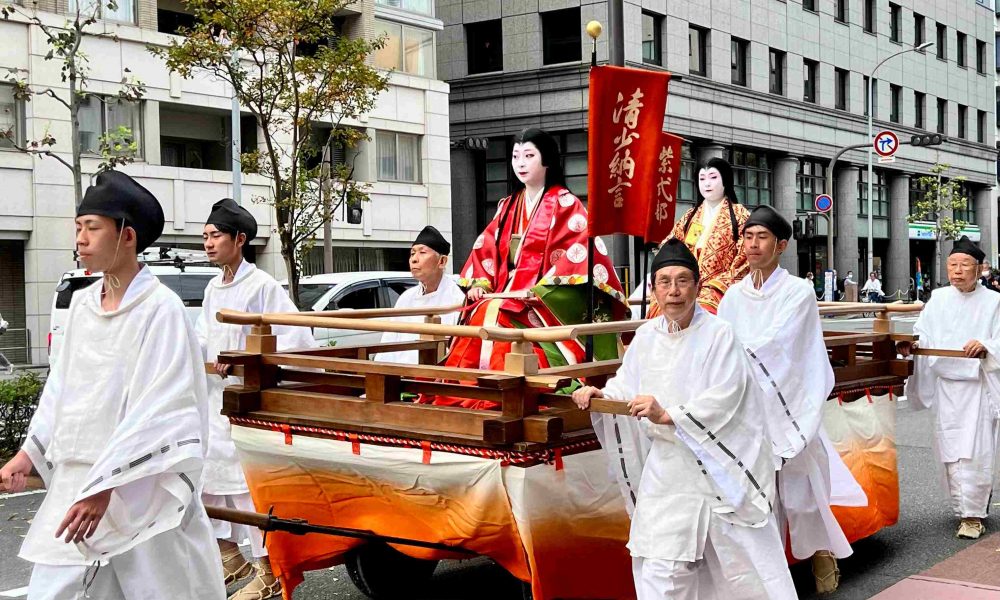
{"type": "Point", "coordinates": [660, 219]}
{"type": "Point", "coordinates": [626, 121]}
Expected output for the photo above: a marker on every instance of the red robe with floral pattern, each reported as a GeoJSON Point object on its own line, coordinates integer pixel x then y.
{"type": "Point", "coordinates": [545, 251]}
{"type": "Point", "coordinates": [721, 261]}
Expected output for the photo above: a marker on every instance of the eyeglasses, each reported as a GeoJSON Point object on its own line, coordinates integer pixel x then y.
{"type": "Point", "coordinates": [681, 283]}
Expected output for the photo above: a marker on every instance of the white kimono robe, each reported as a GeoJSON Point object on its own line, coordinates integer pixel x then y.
{"type": "Point", "coordinates": [964, 393]}
{"type": "Point", "coordinates": [251, 290]}
{"type": "Point", "coordinates": [126, 410]}
{"type": "Point", "coordinates": [447, 294]}
{"type": "Point", "coordinates": [780, 330]}
{"type": "Point", "coordinates": [701, 499]}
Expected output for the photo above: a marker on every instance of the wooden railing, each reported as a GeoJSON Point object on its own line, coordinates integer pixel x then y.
{"type": "Point", "coordinates": [340, 388]}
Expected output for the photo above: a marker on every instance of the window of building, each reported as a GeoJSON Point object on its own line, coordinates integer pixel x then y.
{"type": "Point", "coordinates": [981, 56]}
{"type": "Point", "coordinates": [961, 43]}
{"type": "Point", "coordinates": [967, 214]}
{"type": "Point", "coordinates": [199, 138]}
{"type": "Point", "coordinates": [425, 7]}
{"type": "Point", "coordinates": [398, 156]}
{"type": "Point", "coordinates": [869, 20]}
{"type": "Point", "coordinates": [777, 72]}
{"type": "Point", "coordinates": [895, 23]}
{"type": "Point", "coordinates": [919, 103]}
{"type": "Point", "coordinates": [981, 126]}
{"type": "Point", "coordinates": [809, 5]}
{"type": "Point", "coordinates": [842, 79]}
{"type": "Point", "coordinates": [809, 183]}
{"type": "Point", "coordinates": [895, 103]}
{"type": "Point", "coordinates": [874, 96]}
{"type": "Point", "coordinates": [880, 193]}
{"type": "Point", "coordinates": [687, 187]}
{"type": "Point", "coordinates": [963, 118]}
{"type": "Point", "coordinates": [497, 177]}
{"type": "Point", "coordinates": [173, 21]}
{"type": "Point", "coordinates": [740, 54]}
{"type": "Point", "coordinates": [917, 193]}
{"type": "Point", "coordinates": [561, 41]}
{"type": "Point", "coordinates": [698, 51]}
{"type": "Point", "coordinates": [652, 39]}
{"type": "Point", "coordinates": [996, 50]}
{"type": "Point", "coordinates": [11, 118]}
{"type": "Point", "coordinates": [942, 42]}
{"type": "Point", "coordinates": [334, 29]}
{"type": "Point", "coordinates": [123, 12]}
{"type": "Point", "coordinates": [840, 11]}
{"type": "Point", "coordinates": [919, 36]}
{"type": "Point", "coordinates": [407, 49]}
{"type": "Point", "coordinates": [810, 72]}
{"type": "Point", "coordinates": [485, 46]}
{"type": "Point", "coordinates": [102, 114]}
{"type": "Point", "coordinates": [751, 176]}
{"type": "Point", "coordinates": [942, 116]}
{"type": "Point", "coordinates": [574, 146]}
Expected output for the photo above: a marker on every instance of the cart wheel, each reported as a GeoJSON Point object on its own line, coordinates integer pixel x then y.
{"type": "Point", "coordinates": [383, 573]}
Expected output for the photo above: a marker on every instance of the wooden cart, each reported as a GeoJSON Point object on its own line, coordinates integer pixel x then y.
{"type": "Point", "coordinates": [329, 436]}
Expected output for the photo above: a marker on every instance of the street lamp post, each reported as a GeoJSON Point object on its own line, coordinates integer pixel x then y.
{"type": "Point", "coordinates": [871, 114]}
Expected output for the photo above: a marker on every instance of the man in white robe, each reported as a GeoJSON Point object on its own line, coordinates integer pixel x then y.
{"type": "Point", "coordinates": [120, 430]}
{"type": "Point", "coordinates": [700, 487]}
{"type": "Point", "coordinates": [775, 318]}
{"type": "Point", "coordinates": [963, 393]}
{"type": "Point", "coordinates": [429, 266]}
{"type": "Point", "coordinates": [241, 286]}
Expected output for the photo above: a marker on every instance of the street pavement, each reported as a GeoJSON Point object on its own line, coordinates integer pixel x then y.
{"type": "Point", "coordinates": [924, 536]}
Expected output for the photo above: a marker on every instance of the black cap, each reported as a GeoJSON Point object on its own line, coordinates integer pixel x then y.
{"type": "Point", "coordinates": [433, 239]}
{"type": "Point", "coordinates": [117, 196]}
{"type": "Point", "coordinates": [674, 252]}
{"type": "Point", "coordinates": [965, 246]}
{"type": "Point", "coordinates": [227, 214]}
{"type": "Point", "coordinates": [767, 217]}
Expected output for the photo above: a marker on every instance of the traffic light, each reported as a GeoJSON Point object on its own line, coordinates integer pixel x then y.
{"type": "Point", "coordinates": [797, 232]}
{"type": "Point", "coordinates": [810, 227]}
{"type": "Point", "coordinates": [474, 143]}
{"type": "Point", "coordinates": [931, 139]}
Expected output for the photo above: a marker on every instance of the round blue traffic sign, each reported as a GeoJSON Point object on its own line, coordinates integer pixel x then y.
{"type": "Point", "coordinates": [824, 203]}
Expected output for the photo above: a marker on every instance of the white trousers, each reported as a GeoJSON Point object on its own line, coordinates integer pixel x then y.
{"type": "Point", "coordinates": [180, 563]}
{"type": "Point", "coordinates": [739, 563]}
{"type": "Point", "coordinates": [803, 507]}
{"type": "Point", "coordinates": [234, 532]}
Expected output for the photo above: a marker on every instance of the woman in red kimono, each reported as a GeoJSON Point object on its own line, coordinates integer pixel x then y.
{"type": "Point", "coordinates": [712, 231]}
{"type": "Point", "coordinates": [537, 241]}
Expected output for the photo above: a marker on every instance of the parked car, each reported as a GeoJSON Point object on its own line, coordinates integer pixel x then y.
{"type": "Point", "coordinates": [188, 282]}
{"type": "Point", "coordinates": [352, 291]}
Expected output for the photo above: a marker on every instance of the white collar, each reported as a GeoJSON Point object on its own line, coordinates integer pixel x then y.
{"type": "Point", "coordinates": [138, 289]}
{"type": "Point", "coordinates": [242, 272]}
{"type": "Point", "coordinates": [772, 282]}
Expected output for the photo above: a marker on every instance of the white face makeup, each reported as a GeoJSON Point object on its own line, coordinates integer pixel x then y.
{"type": "Point", "coordinates": [526, 161]}
{"type": "Point", "coordinates": [710, 184]}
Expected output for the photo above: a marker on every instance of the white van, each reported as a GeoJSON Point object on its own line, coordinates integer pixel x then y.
{"type": "Point", "coordinates": [355, 291]}
{"type": "Point", "coordinates": [188, 282]}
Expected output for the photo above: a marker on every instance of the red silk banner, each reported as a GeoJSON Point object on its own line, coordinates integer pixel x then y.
{"type": "Point", "coordinates": [660, 219]}
{"type": "Point", "coordinates": [624, 142]}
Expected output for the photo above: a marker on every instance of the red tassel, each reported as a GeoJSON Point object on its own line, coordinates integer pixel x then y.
{"type": "Point", "coordinates": [868, 393]}
{"type": "Point", "coordinates": [559, 460]}
{"type": "Point", "coordinates": [285, 429]}
{"type": "Point", "coordinates": [840, 399]}
{"type": "Point", "coordinates": [355, 444]}
{"type": "Point", "coordinates": [427, 451]}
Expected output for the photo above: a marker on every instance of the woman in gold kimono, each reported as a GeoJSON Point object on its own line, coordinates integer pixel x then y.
{"type": "Point", "coordinates": [711, 230]}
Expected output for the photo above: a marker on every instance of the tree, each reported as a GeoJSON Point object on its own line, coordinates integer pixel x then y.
{"type": "Point", "coordinates": [66, 45]}
{"type": "Point", "coordinates": [940, 201]}
{"type": "Point", "coordinates": [288, 68]}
